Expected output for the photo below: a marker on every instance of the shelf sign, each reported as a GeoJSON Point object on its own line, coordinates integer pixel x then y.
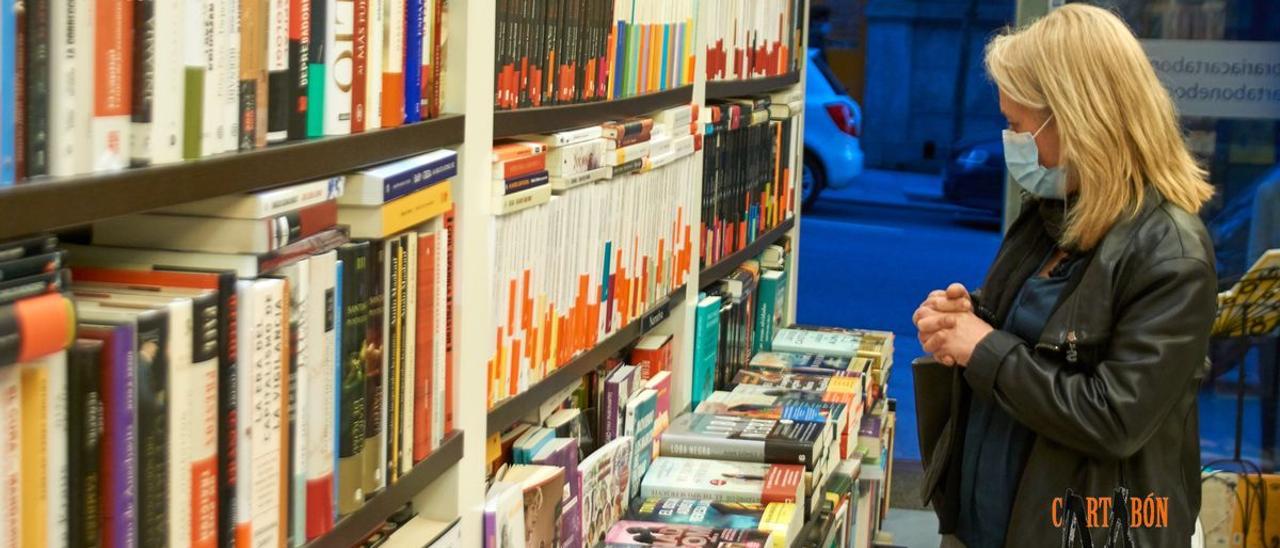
{"type": "Point", "coordinates": [655, 316]}
{"type": "Point", "coordinates": [1219, 78]}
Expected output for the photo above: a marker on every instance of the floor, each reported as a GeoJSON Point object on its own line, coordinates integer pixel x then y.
{"type": "Point", "coordinates": [912, 528]}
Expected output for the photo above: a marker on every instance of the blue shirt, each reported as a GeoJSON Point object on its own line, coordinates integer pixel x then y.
{"type": "Point", "coordinates": [996, 445]}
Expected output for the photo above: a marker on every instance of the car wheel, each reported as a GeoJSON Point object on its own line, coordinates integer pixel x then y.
{"type": "Point", "coordinates": [812, 181]}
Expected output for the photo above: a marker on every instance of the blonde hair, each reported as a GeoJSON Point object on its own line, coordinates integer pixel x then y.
{"type": "Point", "coordinates": [1116, 123]}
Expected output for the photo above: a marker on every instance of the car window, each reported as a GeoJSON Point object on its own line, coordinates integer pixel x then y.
{"type": "Point", "coordinates": [830, 77]}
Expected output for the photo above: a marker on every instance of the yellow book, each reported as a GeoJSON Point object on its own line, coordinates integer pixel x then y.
{"type": "Point", "coordinates": [779, 518]}
{"type": "Point", "coordinates": [35, 494]}
{"type": "Point", "coordinates": [376, 222]}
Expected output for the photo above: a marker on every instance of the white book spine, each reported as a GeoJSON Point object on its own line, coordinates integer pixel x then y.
{"type": "Point", "coordinates": [278, 55]}
{"type": "Point", "coordinates": [438, 371]}
{"type": "Point", "coordinates": [160, 140]}
{"type": "Point", "coordinates": [10, 455]}
{"type": "Point", "coordinates": [70, 86]}
{"type": "Point", "coordinates": [338, 58]}
{"type": "Point", "coordinates": [213, 127]}
{"type": "Point", "coordinates": [267, 420]}
{"type": "Point", "coordinates": [300, 290]}
{"type": "Point", "coordinates": [248, 309]}
{"type": "Point", "coordinates": [181, 423]}
{"type": "Point", "coordinates": [373, 74]}
{"type": "Point", "coordinates": [320, 363]}
{"type": "Point", "coordinates": [195, 54]}
{"type": "Point", "coordinates": [231, 78]}
{"type": "Point", "coordinates": [410, 345]}
{"type": "Point", "coordinates": [203, 444]}
{"type": "Point", "coordinates": [393, 20]}
{"type": "Point", "coordinates": [56, 451]}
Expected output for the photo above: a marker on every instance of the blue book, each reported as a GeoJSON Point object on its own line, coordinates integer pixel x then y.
{"type": "Point", "coordinates": [705, 347]}
{"type": "Point", "coordinates": [8, 75]}
{"type": "Point", "coordinates": [415, 25]}
{"type": "Point", "coordinates": [666, 56]}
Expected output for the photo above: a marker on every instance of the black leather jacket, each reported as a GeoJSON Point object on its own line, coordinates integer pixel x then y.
{"type": "Point", "coordinates": [1110, 387]}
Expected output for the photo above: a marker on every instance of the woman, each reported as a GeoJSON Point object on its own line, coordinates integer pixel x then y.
{"type": "Point", "coordinates": [1082, 353]}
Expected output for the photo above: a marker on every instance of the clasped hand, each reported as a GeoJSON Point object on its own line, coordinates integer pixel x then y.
{"type": "Point", "coordinates": [948, 328]}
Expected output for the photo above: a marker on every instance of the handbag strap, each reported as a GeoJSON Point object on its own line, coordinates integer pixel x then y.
{"type": "Point", "coordinates": [1075, 527]}
{"type": "Point", "coordinates": [1119, 535]}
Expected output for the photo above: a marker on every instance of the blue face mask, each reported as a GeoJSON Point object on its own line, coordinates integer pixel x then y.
{"type": "Point", "coordinates": [1023, 160]}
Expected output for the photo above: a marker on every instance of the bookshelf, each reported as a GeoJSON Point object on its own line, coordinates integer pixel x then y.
{"type": "Point", "coordinates": [509, 123]}
{"type": "Point", "coordinates": [56, 203]}
{"type": "Point", "coordinates": [725, 266]}
{"type": "Point", "coordinates": [736, 88]}
{"type": "Point", "coordinates": [353, 528]}
{"type": "Point", "coordinates": [511, 410]}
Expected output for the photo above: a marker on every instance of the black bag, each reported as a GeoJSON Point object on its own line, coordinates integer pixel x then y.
{"type": "Point", "coordinates": [1075, 525]}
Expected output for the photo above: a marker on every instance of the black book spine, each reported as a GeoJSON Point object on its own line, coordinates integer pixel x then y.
{"type": "Point", "coordinates": [228, 389]}
{"type": "Point", "coordinates": [551, 25]}
{"type": "Point", "coordinates": [281, 71]}
{"type": "Point", "coordinates": [539, 45]}
{"type": "Point", "coordinates": [374, 345]}
{"type": "Point", "coordinates": [351, 405]}
{"type": "Point", "coordinates": [395, 305]}
{"type": "Point", "coordinates": [499, 48]}
{"type": "Point", "coordinates": [315, 57]}
{"type": "Point", "coordinates": [37, 92]}
{"type": "Point", "coordinates": [299, 61]}
{"type": "Point", "coordinates": [144, 80]}
{"type": "Point", "coordinates": [84, 442]}
{"type": "Point", "coordinates": [524, 35]}
{"type": "Point", "coordinates": [153, 428]}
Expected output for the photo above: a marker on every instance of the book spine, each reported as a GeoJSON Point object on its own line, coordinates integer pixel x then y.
{"type": "Point", "coordinates": [203, 409]}
{"type": "Point", "coordinates": [70, 94]}
{"type": "Point", "coordinates": [610, 416]}
{"type": "Point", "coordinates": [393, 54]}
{"type": "Point", "coordinates": [255, 28]}
{"type": "Point", "coordinates": [14, 79]}
{"type": "Point", "coordinates": [352, 406]}
{"type": "Point", "coordinates": [194, 54]}
{"type": "Point", "coordinates": [321, 351]}
{"type": "Point", "coordinates": [152, 370]}
{"type": "Point", "coordinates": [425, 341]}
{"type": "Point", "coordinates": [112, 35]}
{"type": "Point", "coordinates": [228, 408]}
{"type": "Point", "coordinates": [299, 72]}
{"type": "Point", "coordinates": [179, 391]}
{"type": "Point", "coordinates": [373, 70]}
{"type": "Point", "coordinates": [144, 81]}
{"type": "Point", "coordinates": [35, 393]}
{"type": "Point", "coordinates": [120, 503]}
{"type": "Point", "coordinates": [393, 363]}
{"type": "Point", "coordinates": [436, 81]}
{"type": "Point", "coordinates": [442, 401]}
{"type": "Point", "coordinates": [317, 67]}
{"type": "Point", "coordinates": [446, 318]}
{"type": "Point", "coordinates": [410, 352]}
{"type": "Point", "coordinates": [11, 455]}
{"type": "Point", "coordinates": [281, 56]}
{"type": "Point", "coordinates": [37, 69]}
{"type": "Point", "coordinates": [414, 30]}
{"type": "Point", "coordinates": [233, 104]}
{"type": "Point", "coordinates": [168, 108]}
{"type": "Point", "coordinates": [84, 439]}
{"type": "Point", "coordinates": [248, 302]}
{"type": "Point", "coordinates": [340, 66]}
{"type": "Point", "coordinates": [213, 126]}
{"type": "Point", "coordinates": [375, 370]}
{"type": "Point", "coordinates": [359, 64]}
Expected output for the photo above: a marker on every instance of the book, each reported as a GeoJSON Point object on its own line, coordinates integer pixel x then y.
{"type": "Point", "coordinates": [320, 365]}
{"type": "Point", "coordinates": [113, 47]}
{"type": "Point", "coordinates": [395, 19]}
{"type": "Point", "coordinates": [652, 354]}
{"type": "Point", "coordinates": [11, 450]}
{"type": "Point", "coordinates": [44, 451]}
{"type": "Point", "coordinates": [35, 327]}
{"type": "Point", "coordinates": [84, 441]}
{"type": "Point", "coordinates": [213, 127]}
{"type": "Point", "coordinates": [195, 75]}
{"type": "Point", "coordinates": [641, 412]}
{"type": "Point", "coordinates": [281, 55]}
{"type": "Point", "coordinates": [265, 203]}
{"type": "Point", "coordinates": [373, 69]}
{"type": "Point", "coordinates": [530, 443]}
{"type": "Point", "coordinates": [705, 347]}
{"type": "Point", "coordinates": [244, 265]}
{"type": "Point", "coordinates": [634, 534]}
{"type": "Point", "coordinates": [298, 75]}
{"type": "Point", "coordinates": [339, 74]}
{"type": "Point", "coordinates": [376, 352]}
{"type": "Point", "coordinates": [216, 235]}
{"type": "Point", "coordinates": [426, 342]}
{"type": "Point", "coordinates": [71, 87]}
{"type": "Point", "coordinates": [119, 464]}
{"type": "Point", "coordinates": [753, 40]}
{"type": "Point", "coordinates": [262, 449]}
{"type": "Point", "coordinates": [317, 67]}
{"type": "Point", "coordinates": [724, 481]}
{"type": "Point", "coordinates": [812, 364]}
{"type": "Point", "coordinates": [27, 247]}
{"type": "Point", "coordinates": [296, 429]}
{"type": "Point", "coordinates": [36, 73]}
{"type": "Point", "coordinates": [388, 182]}
{"type": "Point", "coordinates": [232, 109]}
{"type": "Point", "coordinates": [157, 128]}
{"type": "Point", "coordinates": [617, 392]}
{"type": "Point", "coordinates": [787, 405]}
{"type": "Point", "coordinates": [421, 532]}
{"type": "Point", "coordinates": [504, 523]}
{"type": "Point", "coordinates": [661, 386]}
{"type": "Point", "coordinates": [728, 437]}
{"type": "Point", "coordinates": [252, 34]}
{"type": "Point", "coordinates": [543, 488]}
{"type": "Point", "coordinates": [415, 30]}
{"type": "Point", "coordinates": [817, 342]}
{"type": "Point", "coordinates": [376, 222]}
{"type": "Point", "coordinates": [776, 517]}
{"type": "Point", "coordinates": [605, 474]}
{"type": "Point", "coordinates": [563, 453]}
{"type": "Point", "coordinates": [769, 316]}
{"type": "Point", "coordinates": [352, 403]}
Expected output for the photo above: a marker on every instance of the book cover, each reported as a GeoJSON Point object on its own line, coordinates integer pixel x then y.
{"type": "Point", "coordinates": [617, 391]}
{"type": "Point", "coordinates": [254, 51]}
{"type": "Point", "coordinates": [265, 203]}
{"type": "Point", "coordinates": [394, 20]}
{"type": "Point", "coordinates": [11, 451]}
{"type": "Point", "coordinates": [113, 73]}
{"type": "Point", "coordinates": [376, 222]}
{"type": "Point", "coordinates": [823, 343]}
{"type": "Point", "coordinates": [378, 185]}
{"type": "Point", "coordinates": [544, 488]}
{"type": "Point", "coordinates": [415, 21]}
{"type": "Point", "coordinates": [71, 87]}
{"type": "Point", "coordinates": [504, 516]}
{"type": "Point", "coordinates": [811, 364]}
{"type": "Point", "coordinates": [317, 66]}
{"type": "Point", "coordinates": [375, 370]}
{"type": "Point", "coordinates": [606, 474]}
{"type": "Point", "coordinates": [215, 235]}
{"type": "Point", "coordinates": [352, 406]}
{"type": "Point", "coordinates": [563, 452]}
{"type": "Point", "coordinates": [770, 293]}
{"type": "Point", "coordinates": [44, 450]}
{"type": "Point", "coordinates": [37, 71]}
{"type": "Point", "coordinates": [425, 341]}
{"type": "Point", "coordinates": [320, 364]}
{"type": "Point", "coordinates": [705, 347]}
{"type": "Point", "coordinates": [634, 534]}
{"type": "Point", "coordinates": [652, 354]}
{"type": "Point", "coordinates": [725, 481]}
{"type": "Point", "coordinates": [281, 55]}
{"type": "Point", "coordinates": [661, 386]}
{"type": "Point", "coordinates": [262, 462]}
{"type": "Point", "coordinates": [159, 97]}
{"type": "Point", "coordinates": [10, 93]}
{"type": "Point", "coordinates": [574, 159]}
{"type": "Point", "coordinates": [298, 75]}
{"type": "Point", "coordinates": [707, 513]}
{"type": "Point", "coordinates": [214, 37]}
{"type": "Point", "coordinates": [728, 437]}
{"type": "Point", "coordinates": [641, 412]}
{"type": "Point", "coordinates": [84, 441]}
{"type": "Point", "coordinates": [195, 54]}
{"type": "Point", "coordinates": [340, 74]}
{"type": "Point", "coordinates": [119, 458]}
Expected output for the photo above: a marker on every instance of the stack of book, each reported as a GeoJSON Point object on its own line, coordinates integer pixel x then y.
{"type": "Point", "coordinates": [37, 322]}
{"type": "Point", "coordinates": [749, 168]}
{"type": "Point", "coordinates": [636, 249]}
{"type": "Point", "coordinates": [520, 178]}
{"type": "Point", "coordinates": [113, 84]}
{"type": "Point", "coordinates": [260, 372]}
{"type": "Point", "coordinates": [557, 52]}
{"type": "Point", "coordinates": [407, 529]}
{"type": "Point", "coordinates": [754, 39]}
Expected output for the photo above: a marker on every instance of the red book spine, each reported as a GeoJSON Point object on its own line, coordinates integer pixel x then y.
{"type": "Point", "coordinates": [426, 343]}
{"type": "Point", "coordinates": [360, 66]}
{"type": "Point", "coordinates": [20, 95]}
{"type": "Point", "coordinates": [448, 332]}
{"type": "Point", "coordinates": [512, 169]}
{"type": "Point", "coordinates": [291, 227]}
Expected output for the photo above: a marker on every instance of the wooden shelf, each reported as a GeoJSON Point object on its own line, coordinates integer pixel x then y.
{"type": "Point", "coordinates": [47, 204]}
{"type": "Point", "coordinates": [715, 272]}
{"type": "Point", "coordinates": [509, 123]}
{"type": "Point", "coordinates": [356, 526]}
{"type": "Point", "coordinates": [511, 410]}
{"type": "Point", "coordinates": [724, 89]}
